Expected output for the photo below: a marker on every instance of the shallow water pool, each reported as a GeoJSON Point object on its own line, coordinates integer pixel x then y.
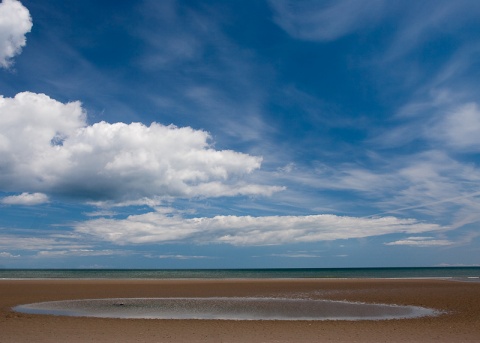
{"type": "Point", "coordinates": [225, 309]}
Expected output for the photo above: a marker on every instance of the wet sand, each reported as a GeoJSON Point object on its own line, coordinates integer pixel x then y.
{"type": "Point", "coordinates": [460, 301]}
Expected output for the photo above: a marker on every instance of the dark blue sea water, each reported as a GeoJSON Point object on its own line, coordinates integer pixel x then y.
{"type": "Point", "coordinates": [462, 273]}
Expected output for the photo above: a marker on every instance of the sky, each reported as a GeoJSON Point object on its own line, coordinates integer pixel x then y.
{"type": "Point", "coordinates": [239, 134]}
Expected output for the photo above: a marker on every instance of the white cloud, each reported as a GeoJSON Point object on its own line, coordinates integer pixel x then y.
{"type": "Point", "coordinates": [78, 252]}
{"type": "Point", "coordinates": [47, 146]}
{"type": "Point", "coordinates": [418, 22]}
{"type": "Point", "coordinates": [4, 254]}
{"type": "Point", "coordinates": [27, 199]}
{"type": "Point", "coordinates": [459, 129]}
{"type": "Point", "coordinates": [324, 21]}
{"type": "Point", "coordinates": [415, 22]}
{"type": "Point", "coordinates": [442, 120]}
{"type": "Point", "coordinates": [15, 23]}
{"type": "Point", "coordinates": [429, 182]}
{"type": "Point", "coordinates": [296, 255]}
{"type": "Point", "coordinates": [421, 242]}
{"type": "Point", "coordinates": [157, 227]}
{"type": "Point", "coordinates": [178, 36]}
{"type": "Point", "coordinates": [183, 35]}
{"type": "Point", "coordinates": [181, 257]}
{"type": "Point", "coordinates": [101, 213]}
{"type": "Point", "coordinates": [50, 242]}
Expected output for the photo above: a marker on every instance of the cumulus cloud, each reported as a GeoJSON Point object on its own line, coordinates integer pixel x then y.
{"type": "Point", "coordinates": [25, 199]}
{"type": "Point", "coordinates": [15, 23]}
{"type": "Point", "coordinates": [421, 242]}
{"type": "Point", "coordinates": [47, 146]}
{"type": "Point", "coordinates": [155, 227]}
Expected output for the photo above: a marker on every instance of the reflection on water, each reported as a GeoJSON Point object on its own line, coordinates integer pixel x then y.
{"type": "Point", "coordinates": [225, 308]}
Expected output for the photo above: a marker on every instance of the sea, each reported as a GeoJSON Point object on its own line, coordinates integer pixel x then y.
{"type": "Point", "coordinates": [454, 273]}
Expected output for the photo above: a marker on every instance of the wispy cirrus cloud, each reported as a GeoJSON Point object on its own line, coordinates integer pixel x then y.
{"type": "Point", "coordinates": [430, 182]}
{"type": "Point", "coordinates": [416, 23]}
{"type": "Point", "coordinates": [184, 34]}
{"type": "Point", "coordinates": [459, 129]}
{"type": "Point", "coordinates": [213, 81]}
{"type": "Point", "coordinates": [325, 21]}
{"type": "Point", "coordinates": [420, 23]}
{"type": "Point", "coordinates": [442, 120]}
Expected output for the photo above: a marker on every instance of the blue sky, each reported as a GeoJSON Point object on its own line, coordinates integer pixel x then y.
{"type": "Point", "coordinates": [239, 134]}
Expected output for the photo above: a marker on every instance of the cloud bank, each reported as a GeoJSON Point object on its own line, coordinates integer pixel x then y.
{"type": "Point", "coordinates": [15, 23]}
{"type": "Point", "coordinates": [47, 147]}
{"type": "Point", "coordinates": [155, 227]}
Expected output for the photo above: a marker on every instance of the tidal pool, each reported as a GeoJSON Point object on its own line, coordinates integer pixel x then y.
{"type": "Point", "coordinates": [225, 309]}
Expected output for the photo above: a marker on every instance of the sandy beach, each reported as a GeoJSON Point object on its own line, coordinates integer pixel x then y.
{"type": "Point", "coordinates": [459, 300]}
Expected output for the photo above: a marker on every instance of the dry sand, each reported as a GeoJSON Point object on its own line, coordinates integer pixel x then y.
{"type": "Point", "coordinates": [461, 301]}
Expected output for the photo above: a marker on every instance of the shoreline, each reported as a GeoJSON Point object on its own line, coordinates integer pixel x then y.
{"type": "Point", "coordinates": [447, 278]}
{"type": "Point", "coordinates": [459, 300]}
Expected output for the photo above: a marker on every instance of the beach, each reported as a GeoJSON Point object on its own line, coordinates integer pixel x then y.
{"type": "Point", "coordinates": [459, 303]}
